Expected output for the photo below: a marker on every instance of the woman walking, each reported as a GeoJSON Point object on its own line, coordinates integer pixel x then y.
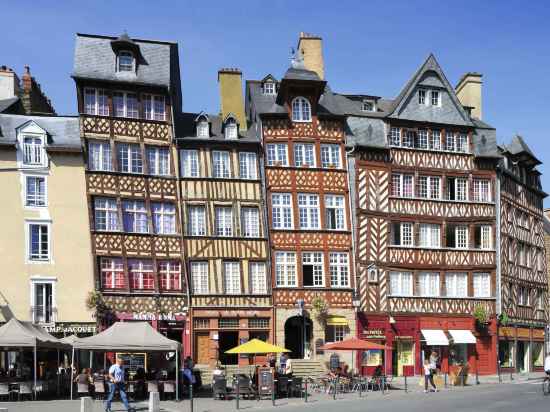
{"type": "Point", "coordinates": [428, 376]}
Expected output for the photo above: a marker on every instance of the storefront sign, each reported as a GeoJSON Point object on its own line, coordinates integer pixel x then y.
{"type": "Point", "coordinates": [403, 337]}
{"type": "Point", "coordinates": [523, 333]}
{"type": "Point", "coordinates": [170, 316]}
{"type": "Point", "coordinates": [506, 332]}
{"type": "Point", "coordinates": [374, 333]}
{"type": "Point", "coordinates": [538, 334]}
{"type": "Point", "coordinates": [71, 328]}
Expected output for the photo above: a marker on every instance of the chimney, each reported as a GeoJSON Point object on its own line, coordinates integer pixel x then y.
{"type": "Point", "coordinates": [33, 98]}
{"type": "Point", "coordinates": [231, 94]}
{"type": "Point", "coordinates": [468, 91]}
{"type": "Point", "coordinates": [9, 83]}
{"type": "Point", "coordinates": [311, 47]}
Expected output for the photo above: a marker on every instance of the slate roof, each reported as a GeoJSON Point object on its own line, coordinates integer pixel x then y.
{"type": "Point", "coordinates": [5, 104]}
{"type": "Point", "coordinates": [518, 146]}
{"type": "Point", "coordinates": [185, 124]}
{"type": "Point", "coordinates": [63, 132]}
{"type": "Point", "coordinates": [546, 224]}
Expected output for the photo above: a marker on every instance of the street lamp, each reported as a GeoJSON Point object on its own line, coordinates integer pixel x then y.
{"type": "Point", "coordinates": [301, 304]}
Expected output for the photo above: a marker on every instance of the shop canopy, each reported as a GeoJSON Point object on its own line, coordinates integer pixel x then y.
{"type": "Point", "coordinates": [435, 337]}
{"type": "Point", "coordinates": [353, 344]}
{"type": "Point", "coordinates": [462, 336]}
{"type": "Point", "coordinates": [336, 320]}
{"type": "Point", "coordinates": [128, 336]}
{"type": "Point", "coordinates": [256, 346]}
{"type": "Point", "coordinates": [16, 333]}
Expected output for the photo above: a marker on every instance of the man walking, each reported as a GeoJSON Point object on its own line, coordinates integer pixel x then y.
{"type": "Point", "coordinates": [116, 382]}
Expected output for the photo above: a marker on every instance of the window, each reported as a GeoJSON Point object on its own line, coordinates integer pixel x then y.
{"type": "Point", "coordinates": [247, 165]}
{"type": "Point", "coordinates": [221, 164]}
{"type": "Point", "coordinates": [540, 299]}
{"type": "Point", "coordinates": [203, 129]}
{"type": "Point", "coordinates": [409, 138]}
{"type": "Point", "coordinates": [335, 215]}
{"type": "Point", "coordinates": [154, 107]}
{"type": "Point", "coordinates": [230, 130]}
{"type": "Point", "coordinates": [481, 190]}
{"type": "Point", "coordinates": [334, 333]}
{"type": "Point", "coordinates": [232, 277]}
{"type": "Point", "coordinates": [258, 280]}
{"type": "Point", "coordinates": [39, 241]}
{"type": "Point", "coordinates": [450, 141]}
{"type": "Point", "coordinates": [277, 154]}
{"type": "Point", "coordinates": [35, 191]}
{"type": "Point", "coordinates": [112, 274]}
{"type": "Point", "coordinates": [422, 139]}
{"type": "Point", "coordinates": [199, 277]}
{"type": "Point", "coordinates": [421, 96]}
{"type": "Point", "coordinates": [308, 206]}
{"type": "Point", "coordinates": [483, 237]}
{"type": "Point", "coordinates": [435, 98]}
{"type": "Point", "coordinates": [330, 156]}
{"type": "Point", "coordinates": [521, 253]}
{"type": "Point", "coordinates": [125, 105]}
{"type": "Point", "coordinates": [462, 143]}
{"type": "Point", "coordinates": [456, 285]}
{"type": "Point", "coordinates": [523, 296]}
{"type": "Point", "coordinates": [457, 188]}
{"type": "Point", "coordinates": [164, 218]}
{"type": "Point", "coordinates": [304, 154]}
{"type": "Point", "coordinates": [312, 269]}
{"type": "Point", "coordinates": [169, 274]}
{"type": "Point", "coordinates": [196, 221]}
{"type": "Point", "coordinates": [99, 156]}
{"type": "Point", "coordinates": [429, 187]}
{"type": "Point", "coordinates": [224, 221]}
{"type": "Point", "coordinates": [482, 285]}
{"type": "Point", "coordinates": [368, 106]}
{"type": "Point", "coordinates": [281, 204]}
{"type": "Point", "coordinates": [301, 110]}
{"type": "Point", "coordinates": [285, 269]}
{"type": "Point", "coordinates": [269, 88]}
{"type": "Point", "coordinates": [402, 185]}
{"type": "Point", "coordinates": [428, 284]}
{"type": "Point", "coordinates": [33, 151]}
{"type": "Point", "coordinates": [129, 158]}
{"type": "Point", "coordinates": [134, 216]}
{"type": "Point", "coordinates": [395, 136]}
{"type": "Point", "coordinates": [158, 161]}
{"type": "Point", "coordinates": [435, 140]}
{"type": "Point", "coordinates": [339, 269]}
{"type": "Point", "coordinates": [96, 102]}
{"type": "Point", "coordinates": [457, 236]}
{"type": "Point", "coordinates": [401, 283]}
{"type": "Point", "coordinates": [250, 219]}
{"type": "Point", "coordinates": [189, 163]}
{"type": "Point", "coordinates": [43, 310]}
{"type": "Point", "coordinates": [430, 235]}
{"type": "Point", "coordinates": [125, 61]}
{"type": "Point", "coordinates": [106, 214]}
{"type": "Point", "coordinates": [141, 274]}
{"type": "Point", "coordinates": [402, 234]}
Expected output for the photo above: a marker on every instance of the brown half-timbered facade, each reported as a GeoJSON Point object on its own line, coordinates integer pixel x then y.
{"type": "Point", "coordinates": [523, 269]}
{"type": "Point", "coordinates": [127, 92]}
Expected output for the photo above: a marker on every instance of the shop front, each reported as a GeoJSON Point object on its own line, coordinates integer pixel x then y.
{"type": "Point", "coordinates": [521, 349]}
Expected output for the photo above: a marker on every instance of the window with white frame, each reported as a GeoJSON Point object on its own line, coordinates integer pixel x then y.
{"type": "Point", "coordinates": [429, 235]}
{"type": "Point", "coordinates": [126, 61]}
{"type": "Point", "coordinates": [112, 273]}
{"type": "Point", "coordinates": [330, 156]}
{"type": "Point", "coordinates": [481, 190]}
{"type": "Point", "coordinates": [232, 277]}
{"type": "Point", "coordinates": [334, 333]}
{"type": "Point", "coordinates": [339, 269]}
{"type": "Point", "coordinates": [436, 100]}
{"type": "Point", "coordinates": [312, 269]}
{"type": "Point", "coordinates": [277, 154]}
{"type": "Point", "coordinates": [301, 110]}
{"type": "Point", "coordinates": [169, 274]}
{"type": "Point", "coordinates": [99, 156]}
{"type": "Point", "coordinates": [35, 191]}
{"type": "Point", "coordinates": [203, 129]}
{"type": "Point", "coordinates": [395, 136]}
{"type": "Point", "coordinates": [34, 153]}
{"type": "Point", "coordinates": [164, 218]}
{"type": "Point", "coordinates": [125, 105]}
{"type": "Point", "coordinates": [230, 130]}
{"type": "Point", "coordinates": [269, 88]}
{"type": "Point", "coordinates": [435, 140]}
{"type": "Point", "coordinates": [224, 221]}
{"type": "Point", "coordinates": [522, 296]}
{"type": "Point", "coordinates": [456, 285]}
{"type": "Point", "coordinates": [521, 253]}
{"type": "Point", "coordinates": [428, 284]}
{"type": "Point", "coordinates": [462, 143]}
{"type": "Point", "coordinates": [189, 163]}
{"type": "Point", "coordinates": [450, 141]}
{"type": "Point", "coordinates": [304, 154]}
{"type": "Point", "coordinates": [134, 216]}
{"type": "Point", "coordinates": [258, 282]}
{"type": "Point", "coordinates": [421, 96]}
{"type": "Point", "coordinates": [457, 188]}
{"type": "Point", "coordinates": [457, 236]}
{"type": "Point", "coordinates": [247, 165]}
{"type": "Point", "coordinates": [96, 102]}
{"type": "Point", "coordinates": [429, 187]}
{"type": "Point", "coordinates": [281, 210]}
{"type": "Point", "coordinates": [482, 285]}
{"type": "Point", "coordinates": [158, 160]}
{"type": "Point", "coordinates": [422, 139]}
{"type": "Point", "coordinates": [368, 106]}
{"type": "Point", "coordinates": [401, 284]}
{"type": "Point", "coordinates": [38, 241]}
{"type": "Point", "coordinates": [129, 158]}
{"type": "Point", "coordinates": [196, 220]}
{"type": "Point", "coordinates": [43, 301]}
{"type": "Point", "coordinates": [402, 234]}
{"type": "Point", "coordinates": [154, 107]}
{"type": "Point", "coordinates": [483, 237]}
{"type": "Point", "coordinates": [250, 220]}
{"type": "Point", "coordinates": [409, 137]}
{"type": "Point", "coordinates": [141, 274]}
{"type": "Point", "coordinates": [106, 214]}
{"type": "Point", "coordinates": [308, 206]}
{"type": "Point", "coordinates": [199, 278]}
{"type": "Point", "coordinates": [335, 212]}
{"type": "Point", "coordinates": [285, 269]}
{"type": "Point", "coordinates": [402, 185]}
{"type": "Point", "coordinates": [221, 164]}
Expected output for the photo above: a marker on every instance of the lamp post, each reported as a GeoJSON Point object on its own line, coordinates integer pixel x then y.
{"type": "Point", "coordinates": [356, 302]}
{"type": "Point", "coordinates": [301, 304]}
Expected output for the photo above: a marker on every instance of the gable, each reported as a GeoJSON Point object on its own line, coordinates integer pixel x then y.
{"type": "Point", "coordinates": [31, 127]}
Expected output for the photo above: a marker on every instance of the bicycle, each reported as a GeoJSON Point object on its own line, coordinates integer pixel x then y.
{"type": "Point", "coordinates": [546, 385]}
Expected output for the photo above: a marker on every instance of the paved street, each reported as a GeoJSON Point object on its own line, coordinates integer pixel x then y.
{"type": "Point", "coordinates": [520, 396]}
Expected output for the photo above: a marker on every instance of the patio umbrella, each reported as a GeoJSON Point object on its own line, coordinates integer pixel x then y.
{"type": "Point", "coordinates": [254, 347]}
{"type": "Point", "coordinates": [353, 344]}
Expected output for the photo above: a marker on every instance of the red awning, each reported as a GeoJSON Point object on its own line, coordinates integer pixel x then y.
{"type": "Point", "coordinates": [353, 344]}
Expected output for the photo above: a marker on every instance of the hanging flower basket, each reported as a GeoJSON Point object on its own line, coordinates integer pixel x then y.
{"type": "Point", "coordinates": [320, 309]}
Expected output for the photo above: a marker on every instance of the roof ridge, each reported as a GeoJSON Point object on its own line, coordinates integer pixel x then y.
{"type": "Point", "coordinates": [107, 37]}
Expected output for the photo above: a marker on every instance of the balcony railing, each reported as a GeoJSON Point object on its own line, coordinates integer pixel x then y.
{"type": "Point", "coordinates": [43, 315]}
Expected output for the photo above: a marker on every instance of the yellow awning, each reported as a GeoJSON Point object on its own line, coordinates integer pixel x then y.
{"type": "Point", "coordinates": [255, 346]}
{"type": "Point", "coordinates": [336, 320]}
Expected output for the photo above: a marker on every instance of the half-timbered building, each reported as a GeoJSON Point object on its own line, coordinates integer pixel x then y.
{"type": "Point", "coordinates": [127, 91]}
{"type": "Point", "coordinates": [523, 269]}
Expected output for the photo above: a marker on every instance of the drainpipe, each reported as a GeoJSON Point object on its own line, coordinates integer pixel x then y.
{"type": "Point", "coordinates": [351, 199]}
{"type": "Point", "coordinates": [499, 268]}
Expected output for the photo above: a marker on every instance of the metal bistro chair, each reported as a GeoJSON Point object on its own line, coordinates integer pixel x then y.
{"type": "Point", "coordinates": [282, 386]}
{"type": "Point", "coordinates": [152, 386]}
{"type": "Point", "coordinates": [131, 390]}
{"type": "Point", "coordinates": [169, 388]}
{"type": "Point", "coordinates": [297, 387]}
{"type": "Point", "coordinates": [99, 389]}
{"type": "Point", "coordinates": [387, 381]}
{"type": "Point", "coordinates": [83, 389]}
{"type": "Point", "coordinates": [25, 389]}
{"type": "Point", "coordinates": [219, 387]}
{"type": "Point", "coordinates": [5, 391]}
{"type": "Point", "coordinates": [245, 386]}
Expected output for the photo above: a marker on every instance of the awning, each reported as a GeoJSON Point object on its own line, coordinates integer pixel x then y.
{"type": "Point", "coordinates": [337, 321]}
{"type": "Point", "coordinates": [462, 336]}
{"type": "Point", "coordinates": [435, 337]}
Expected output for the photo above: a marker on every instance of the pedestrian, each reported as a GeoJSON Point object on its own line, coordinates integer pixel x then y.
{"type": "Point", "coordinates": [547, 365]}
{"type": "Point", "coordinates": [282, 363]}
{"type": "Point", "coordinates": [116, 382]}
{"type": "Point", "coordinates": [428, 376]}
{"type": "Point", "coordinates": [434, 360]}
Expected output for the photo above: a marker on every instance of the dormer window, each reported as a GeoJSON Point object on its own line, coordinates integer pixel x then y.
{"type": "Point", "coordinates": [230, 130]}
{"type": "Point", "coordinates": [422, 96]}
{"type": "Point", "coordinates": [269, 88]}
{"type": "Point", "coordinates": [368, 106]}
{"type": "Point", "coordinates": [33, 151]}
{"type": "Point", "coordinates": [126, 61]}
{"type": "Point", "coordinates": [202, 129]}
{"type": "Point", "coordinates": [436, 99]}
{"type": "Point", "coordinates": [301, 110]}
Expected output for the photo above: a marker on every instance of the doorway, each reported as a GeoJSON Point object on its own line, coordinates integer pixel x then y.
{"type": "Point", "coordinates": [523, 356]}
{"type": "Point", "coordinates": [202, 346]}
{"type": "Point", "coordinates": [228, 340]}
{"type": "Point", "coordinates": [294, 335]}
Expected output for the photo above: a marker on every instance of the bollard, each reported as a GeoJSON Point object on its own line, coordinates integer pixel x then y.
{"type": "Point", "coordinates": [406, 384]}
{"type": "Point", "coordinates": [462, 379]}
{"type": "Point", "coordinates": [237, 392]}
{"type": "Point", "coordinates": [360, 386]}
{"type": "Point", "coordinates": [336, 381]}
{"type": "Point", "coordinates": [305, 390]}
{"type": "Point", "coordinates": [154, 402]}
{"type": "Point", "coordinates": [477, 377]}
{"type": "Point", "coordinates": [445, 380]}
{"type": "Point", "coordinates": [191, 401]}
{"type": "Point", "coordinates": [511, 374]}
{"type": "Point", "coordinates": [273, 392]}
{"type": "Point", "coordinates": [383, 380]}
{"type": "Point", "coordinates": [86, 404]}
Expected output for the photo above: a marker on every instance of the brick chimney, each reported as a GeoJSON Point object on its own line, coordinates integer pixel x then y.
{"type": "Point", "coordinates": [231, 94]}
{"type": "Point", "coordinates": [468, 90]}
{"type": "Point", "coordinates": [311, 47]}
{"type": "Point", "coordinates": [33, 98]}
{"type": "Point", "coordinates": [9, 83]}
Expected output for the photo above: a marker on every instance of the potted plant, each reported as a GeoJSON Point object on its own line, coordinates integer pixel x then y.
{"type": "Point", "coordinates": [481, 316]}
{"type": "Point", "coordinates": [102, 311]}
{"type": "Point", "coordinates": [320, 308]}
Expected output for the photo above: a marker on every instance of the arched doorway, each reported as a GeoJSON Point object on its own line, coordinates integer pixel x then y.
{"type": "Point", "coordinates": [294, 335]}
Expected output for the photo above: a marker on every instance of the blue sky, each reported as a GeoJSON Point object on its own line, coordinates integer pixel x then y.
{"type": "Point", "coordinates": [369, 46]}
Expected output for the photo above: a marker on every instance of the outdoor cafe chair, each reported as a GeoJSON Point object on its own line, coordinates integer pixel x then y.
{"type": "Point", "coordinates": [296, 387]}
{"type": "Point", "coordinates": [83, 389]}
{"type": "Point", "coordinates": [282, 386]}
{"type": "Point", "coordinates": [99, 389]}
{"type": "Point", "coordinates": [169, 388]}
{"type": "Point", "coordinates": [5, 391]}
{"type": "Point", "coordinates": [244, 385]}
{"type": "Point", "coordinates": [24, 390]}
{"type": "Point", "coordinates": [219, 387]}
{"type": "Point", "coordinates": [152, 386]}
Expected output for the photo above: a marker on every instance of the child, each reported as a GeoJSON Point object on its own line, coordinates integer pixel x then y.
{"type": "Point", "coordinates": [428, 376]}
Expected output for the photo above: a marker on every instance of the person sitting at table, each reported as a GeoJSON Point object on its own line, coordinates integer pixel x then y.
{"type": "Point", "coordinates": [218, 370]}
{"type": "Point", "coordinates": [83, 377]}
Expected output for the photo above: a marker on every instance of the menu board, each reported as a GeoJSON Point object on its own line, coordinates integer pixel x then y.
{"type": "Point", "coordinates": [265, 381]}
{"type": "Point", "coordinates": [133, 361]}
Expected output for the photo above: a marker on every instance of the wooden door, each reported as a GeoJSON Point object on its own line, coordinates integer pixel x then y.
{"type": "Point", "coordinates": [202, 348]}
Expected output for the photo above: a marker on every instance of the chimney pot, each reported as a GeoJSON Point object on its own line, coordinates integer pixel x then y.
{"type": "Point", "coordinates": [27, 69]}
